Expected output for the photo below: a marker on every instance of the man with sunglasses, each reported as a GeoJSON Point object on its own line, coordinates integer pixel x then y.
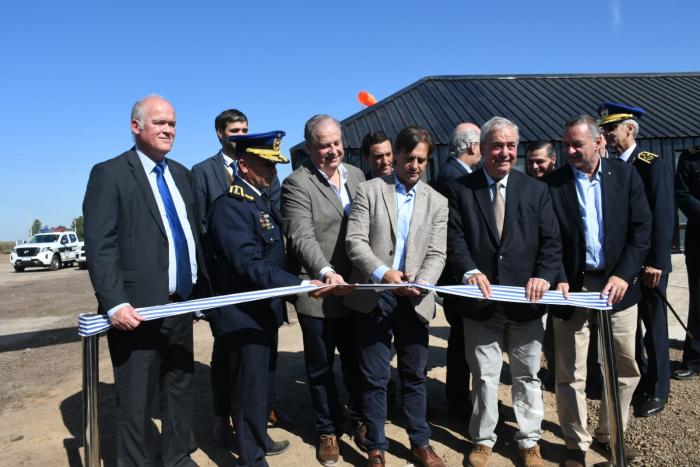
{"type": "Point", "coordinates": [620, 125]}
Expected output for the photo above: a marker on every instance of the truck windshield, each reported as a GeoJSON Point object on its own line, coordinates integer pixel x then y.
{"type": "Point", "coordinates": [44, 238]}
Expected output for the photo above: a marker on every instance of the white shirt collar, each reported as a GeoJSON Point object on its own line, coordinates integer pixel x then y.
{"type": "Point", "coordinates": [341, 170]}
{"type": "Point", "coordinates": [227, 160]}
{"type": "Point", "coordinates": [251, 186]}
{"type": "Point", "coordinates": [463, 164]}
{"type": "Point", "coordinates": [628, 152]}
{"type": "Point", "coordinates": [491, 181]}
{"type": "Point", "coordinates": [148, 163]}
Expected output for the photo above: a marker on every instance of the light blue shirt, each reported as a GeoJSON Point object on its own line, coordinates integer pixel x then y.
{"type": "Point", "coordinates": [463, 164]}
{"type": "Point", "coordinates": [590, 203]}
{"type": "Point", "coordinates": [404, 212]}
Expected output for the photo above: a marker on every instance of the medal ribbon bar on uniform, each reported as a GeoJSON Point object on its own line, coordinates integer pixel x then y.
{"type": "Point", "coordinates": [90, 324]}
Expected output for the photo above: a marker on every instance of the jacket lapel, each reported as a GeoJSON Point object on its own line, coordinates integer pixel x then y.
{"type": "Point", "coordinates": [324, 187]}
{"type": "Point", "coordinates": [220, 171]}
{"type": "Point", "coordinates": [389, 196]}
{"type": "Point", "coordinates": [483, 199]}
{"type": "Point", "coordinates": [420, 205]}
{"type": "Point", "coordinates": [512, 202]}
{"type": "Point", "coordinates": [139, 175]}
{"type": "Point", "coordinates": [609, 194]}
{"type": "Point", "coordinates": [571, 201]}
{"type": "Point", "coordinates": [183, 186]}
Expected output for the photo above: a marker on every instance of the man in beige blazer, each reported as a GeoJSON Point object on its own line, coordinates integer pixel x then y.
{"type": "Point", "coordinates": [316, 202]}
{"type": "Point", "coordinates": [397, 232]}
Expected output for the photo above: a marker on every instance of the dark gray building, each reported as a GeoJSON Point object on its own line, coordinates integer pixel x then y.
{"type": "Point", "coordinates": [538, 104]}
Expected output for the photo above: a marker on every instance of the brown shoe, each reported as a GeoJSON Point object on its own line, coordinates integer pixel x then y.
{"type": "Point", "coordinates": [531, 457]}
{"type": "Point", "coordinates": [376, 458]}
{"type": "Point", "coordinates": [328, 451]}
{"type": "Point", "coordinates": [427, 457]}
{"type": "Point", "coordinates": [479, 457]}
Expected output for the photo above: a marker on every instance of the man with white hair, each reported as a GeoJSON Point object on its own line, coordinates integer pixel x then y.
{"type": "Point", "coordinates": [464, 152]}
{"type": "Point", "coordinates": [620, 127]}
{"type": "Point", "coordinates": [502, 230]}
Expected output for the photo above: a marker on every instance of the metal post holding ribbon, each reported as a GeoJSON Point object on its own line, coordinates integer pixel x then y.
{"type": "Point", "coordinates": [90, 325]}
{"type": "Point", "coordinates": [91, 379]}
{"type": "Point", "coordinates": [607, 346]}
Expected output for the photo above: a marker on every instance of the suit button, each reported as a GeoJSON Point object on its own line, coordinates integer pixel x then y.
{"type": "Point", "coordinates": [500, 257]}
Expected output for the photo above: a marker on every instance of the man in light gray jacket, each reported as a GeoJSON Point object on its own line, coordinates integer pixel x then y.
{"type": "Point", "coordinates": [397, 233]}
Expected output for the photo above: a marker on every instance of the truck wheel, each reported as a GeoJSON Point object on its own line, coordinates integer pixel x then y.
{"type": "Point", "coordinates": [19, 268]}
{"type": "Point", "coordinates": [82, 266]}
{"type": "Point", "coordinates": [55, 264]}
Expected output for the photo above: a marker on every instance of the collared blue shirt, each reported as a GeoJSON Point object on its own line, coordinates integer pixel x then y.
{"type": "Point", "coordinates": [404, 212]}
{"type": "Point", "coordinates": [590, 203]}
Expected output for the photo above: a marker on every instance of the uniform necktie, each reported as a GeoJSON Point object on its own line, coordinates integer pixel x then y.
{"type": "Point", "coordinates": [499, 209]}
{"type": "Point", "coordinates": [182, 255]}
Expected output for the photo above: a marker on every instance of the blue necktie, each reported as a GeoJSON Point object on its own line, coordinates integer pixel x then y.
{"type": "Point", "coordinates": [182, 255]}
{"type": "Point", "coordinates": [234, 168]}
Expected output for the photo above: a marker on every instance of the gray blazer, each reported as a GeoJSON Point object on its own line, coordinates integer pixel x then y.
{"type": "Point", "coordinates": [371, 240]}
{"type": "Point", "coordinates": [315, 223]}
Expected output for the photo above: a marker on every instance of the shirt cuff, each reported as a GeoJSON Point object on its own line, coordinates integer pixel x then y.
{"type": "Point", "coordinates": [113, 310]}
{"type": "Point", "coordinates": [305, 282]}
{"type": "Point", "coordinates": [469, 274]}
{"type": "Point", "coordinates": [378, 274]}
{"type": "Point", "coordinates": [324, 271]}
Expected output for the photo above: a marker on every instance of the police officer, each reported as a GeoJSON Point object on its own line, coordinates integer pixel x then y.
{"type": "Point", "coordinates": [248, 251]}
{"type": "Point", "coordinates": [620, 127]}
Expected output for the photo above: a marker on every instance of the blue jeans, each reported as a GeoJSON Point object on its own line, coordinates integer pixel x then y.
{"type": "Point", "coordinates": [393, 317]}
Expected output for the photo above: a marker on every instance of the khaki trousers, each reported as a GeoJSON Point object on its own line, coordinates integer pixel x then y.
{"type": "Point", "coordinates": [571, 347]}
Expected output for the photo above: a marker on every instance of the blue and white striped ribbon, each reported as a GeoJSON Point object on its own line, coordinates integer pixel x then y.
{"type": "Point", "coordinates": [90, 324]}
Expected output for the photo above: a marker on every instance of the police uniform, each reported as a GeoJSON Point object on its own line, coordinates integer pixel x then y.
{"type": "Point", "coordinates": [248, 248]}
{"type": "Point", "coordinates": [657, 176]}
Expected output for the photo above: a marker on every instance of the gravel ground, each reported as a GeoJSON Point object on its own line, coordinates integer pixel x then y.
{"type": "Point", "coordinates": [40, 393]}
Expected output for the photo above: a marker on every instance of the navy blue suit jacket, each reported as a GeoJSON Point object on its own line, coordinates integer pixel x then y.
{"type": "Point", "coordinates": [688, 197]}
{"type": "Point", "coordinates": [626, 228]}
{"type": "Point", "coordinates": [657, 177]}
{"type": "Point", "coordinates": [450, 170]}
{"type": "Point", "coordinates": [530, 246]}
{"type": "Point", "coordinates": [248, 251]}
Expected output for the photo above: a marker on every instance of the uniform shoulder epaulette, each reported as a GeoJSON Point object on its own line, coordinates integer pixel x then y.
{"type": "Point", "coordinates": [237, 191]}
{"type": "Point", "coordinates": [648, 157]}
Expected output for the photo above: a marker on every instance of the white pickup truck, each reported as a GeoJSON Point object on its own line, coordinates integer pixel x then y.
{"type": "Point", "coordinates": [53, 250]}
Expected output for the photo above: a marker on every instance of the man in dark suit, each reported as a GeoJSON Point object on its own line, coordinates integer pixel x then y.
{"type": "Point", "coordinates": [620, 126]}
{"type": "Point", "coordinates": [316, 202]}
{"type": "Point", "coordinates": [464, 156]}
{"type": "Point", "coordinates": [248, 248]}
{"type": "Point", "coordinates": [376, 150]}
{"type": "Point", "coordinates": [502, 230]}
{"type": "Point", "coordinates": [688, 198]}
{"type": "Point", "coordinates": [142, 235]}
{"type": "Point", "coordinates": [605, 229]}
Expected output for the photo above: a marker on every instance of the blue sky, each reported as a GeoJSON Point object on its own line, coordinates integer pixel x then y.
{"type": "Point", "coordinates": [72, 70]}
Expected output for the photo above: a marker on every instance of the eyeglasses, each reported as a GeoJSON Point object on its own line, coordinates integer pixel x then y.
{"type": "Point", "coordinates": [609, 128]}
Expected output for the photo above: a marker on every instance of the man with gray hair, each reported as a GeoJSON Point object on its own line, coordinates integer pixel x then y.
{"type": "Point", "coordinates": [464, 153]}
{"type": "Point", "coordinates": [142, 235]}
{"type": "Point", "coordinates": [464, 156]}
{"type": "Point", "coordinates": [502, 230]}
{"type": "Point", "coordinates": [316, 202]}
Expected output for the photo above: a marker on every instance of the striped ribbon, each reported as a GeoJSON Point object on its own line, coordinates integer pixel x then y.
{"type": "Point", "coordinates": [90, 323]}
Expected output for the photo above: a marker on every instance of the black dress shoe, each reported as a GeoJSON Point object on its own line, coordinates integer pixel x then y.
{"type": "Point", "coordinates": [277, 447]}
{"type": "Point", "coordinates": [684, 373]}
{"type": "Point", "coordinates": [651, 406]}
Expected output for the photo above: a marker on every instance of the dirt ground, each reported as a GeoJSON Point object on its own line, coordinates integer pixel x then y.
{"type": "Point", "coordinates": [40, 391]}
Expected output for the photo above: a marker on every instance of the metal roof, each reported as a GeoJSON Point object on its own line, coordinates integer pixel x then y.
{"type": "Point", "coordinates": [538, 104]}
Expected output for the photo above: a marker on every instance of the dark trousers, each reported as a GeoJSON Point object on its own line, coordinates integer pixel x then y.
{"type": "Point", "coordinates": [251, 360]}
{"type": "Point", "coordinates": [393, 317]}
{"type": "Point", "coordinates": [321, 338]}
{"type": "Point", "coordinates": [691, 347]}
{"type": "Point", "coordinates": [457, 379]}
{"type": "Point", "coordinates": [220, 380]}
{"type": "Point", "coordinates": [160, 359]}
{"type": "Point", "coordinates": [652, 347]}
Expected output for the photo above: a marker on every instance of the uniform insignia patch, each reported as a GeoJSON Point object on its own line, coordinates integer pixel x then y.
{"type": "Point", "coordinates": [265, 221]}
{"type": "Point", "coordinates": [648, 157]}
{"type": "Point", "coordinates": [236, 191]}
